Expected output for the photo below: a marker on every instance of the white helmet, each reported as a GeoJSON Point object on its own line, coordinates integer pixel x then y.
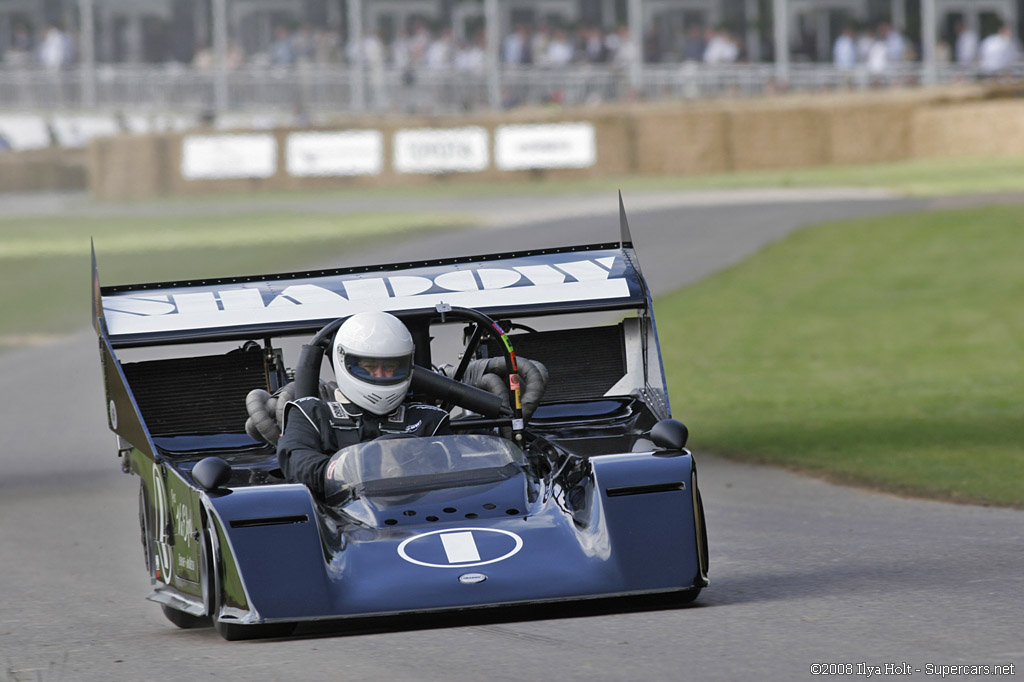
{"type": "Point", "coordinates": [373, 361]}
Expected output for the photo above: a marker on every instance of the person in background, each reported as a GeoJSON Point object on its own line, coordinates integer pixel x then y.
{"type": "Point", "coordinates": [54, 49]}
{"type": "Point", "coordinates": [560, 49]}
{"type": "Point", "coordinates": [966, 46]}
{"type": "Point", "coordinates": [282, 50]}
{"type": "Point", "coordinates": [721, 49]}
{"type": "Point", "coordinates": [19, 51]}
{"type": "Point", "coordinates": [895, 43]}
{"type": "Point", "coordinates": [516, 47]}
{"type": "Point", "coordinates": [997, 52]}
{"type": "Point", "coordinates": [844, 52]}
{"type": "Point", "coordinates": [694, 44]}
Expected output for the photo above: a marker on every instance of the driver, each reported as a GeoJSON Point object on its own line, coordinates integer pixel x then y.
{"type": "Point", "coordinates": [372, 357]}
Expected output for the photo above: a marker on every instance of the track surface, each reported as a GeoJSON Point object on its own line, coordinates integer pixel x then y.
{"type": "Point", "coordinates": [802, 571]}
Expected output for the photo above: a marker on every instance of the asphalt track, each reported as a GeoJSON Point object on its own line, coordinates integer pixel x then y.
{"type": "Point", "coordinates": [802, 571]}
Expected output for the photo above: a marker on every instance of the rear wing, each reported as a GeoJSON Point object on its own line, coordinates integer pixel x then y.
{"type": "Point", "coordinates": [572, 279]}
{"type": "Point", "coordinates": [597, 277]}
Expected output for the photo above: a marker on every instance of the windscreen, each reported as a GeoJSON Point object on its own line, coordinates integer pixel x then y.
{"type": "Point", "coordinates": [399, 466]}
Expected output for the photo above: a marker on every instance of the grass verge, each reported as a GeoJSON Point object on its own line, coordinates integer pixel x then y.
{"type": "Point", "coordinates": [928, 177]}
{"type": "Point", "coordinates": [45, 261]}
{"type": "Point", "coordinates": [883, 352]}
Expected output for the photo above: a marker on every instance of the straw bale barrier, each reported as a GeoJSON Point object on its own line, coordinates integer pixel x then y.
{"type": "Point", "coordinates": [44, 170]}
{"type": "Point", "coordinates": [713, 136]}
{"type": "Point", "coordinates": [981, 129]}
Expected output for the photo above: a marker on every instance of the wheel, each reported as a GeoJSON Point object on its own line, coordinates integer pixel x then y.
{"type": "Point", "coordinates": [185, 621]}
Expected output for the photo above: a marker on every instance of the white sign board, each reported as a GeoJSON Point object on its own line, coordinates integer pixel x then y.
{"type": "Point", "coordinates": [441, 150]}
{"type": "Point", "coordinates": [554, 145]}
{"type": "Point", "coordinates": [24, 131]}
{"type": "Point", "coordinates": [251, 155]}
{"type": "Point", "coordinates": [343, 153]}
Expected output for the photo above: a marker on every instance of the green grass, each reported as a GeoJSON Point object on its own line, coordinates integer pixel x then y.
{"type": "Point", "coordinates": [932, 177]}
{"type": "Point", "coordinates": [885, 352]}
{"type": "Point", "coordinates": [45, 261]}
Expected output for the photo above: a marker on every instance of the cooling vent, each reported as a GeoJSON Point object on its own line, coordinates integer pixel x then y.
{"type": "Point", "coordinates": [582, 363]}
{"type": "Point", "coordinates": [196, 395]}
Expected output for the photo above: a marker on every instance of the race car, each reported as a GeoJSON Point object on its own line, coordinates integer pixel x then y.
{"type": "Point", "coordinates": [576, 485]}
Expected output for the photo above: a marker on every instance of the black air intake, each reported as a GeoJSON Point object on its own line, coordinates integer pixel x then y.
{"type": "Point", "coordinates": [582, 363]}
{"type": "Point", "coordinates": [196, 395]}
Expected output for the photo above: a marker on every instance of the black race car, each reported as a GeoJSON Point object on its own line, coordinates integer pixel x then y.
{"type": "Point", "coordinates": [567, 482]}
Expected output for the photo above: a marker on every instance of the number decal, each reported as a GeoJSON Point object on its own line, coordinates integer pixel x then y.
{"type": "Point", "coordinates": [162, 519]}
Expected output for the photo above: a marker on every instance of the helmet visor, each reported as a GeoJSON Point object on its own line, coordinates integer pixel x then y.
{"type": "Point", "coordinates": [378, 371]}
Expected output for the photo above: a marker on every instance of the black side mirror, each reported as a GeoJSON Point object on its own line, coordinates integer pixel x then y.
{"type": "Point", "coordinates": [211, 473]}
{"type": "Point", "coordinates": [670, 434]}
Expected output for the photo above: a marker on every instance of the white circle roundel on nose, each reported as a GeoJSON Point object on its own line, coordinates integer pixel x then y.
{"type": "Point", "coordinates": [460, 547]}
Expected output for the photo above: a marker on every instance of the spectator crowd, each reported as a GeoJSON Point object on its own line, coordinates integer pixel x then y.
{"type": "Point", "coordinates": [879, 49]}
{"type": "Point", "coordinates": [420, 46]}
{"type": "Point", "coordinates": [550, 46]}
{"type": "Point", "coordinates": [55, 49]}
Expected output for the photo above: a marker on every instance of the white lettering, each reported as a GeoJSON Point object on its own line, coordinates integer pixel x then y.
{"type": "Point", "coordinates": [307, 294]}
{"type": "Point", "coordinates": [541, 274]}
{"type": "Point", "coordinates": [241, 299]}
{"type": "Point", "coordinates": [475, 288]}
{"type": "Point", "coordinates": [204, 302]}
{"type": "Point", "coordinates": [405, 285]}
{"type": "Point", "coordinates": [494, 278]}
{"type": "Point", "coordinates": [139, 305]}
{"type": "Point", "coordinates": [585, 270]}
{"type": "Point", "coordinates": [183, 521]}
{"type": "Point", "coordinates": [360, 289]}
{"type": "Point", "coordinates": [460, 280]}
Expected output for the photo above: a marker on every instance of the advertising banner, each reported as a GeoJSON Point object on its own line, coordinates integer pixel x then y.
{"type": "Point", "coordinates": [249, 155]}
{"type": "Point", "coordinates": [441, 150]}
{"type": "Point", "coordinates": [342, 153]}
{"type": "Point", "coordinates": [554, 145]}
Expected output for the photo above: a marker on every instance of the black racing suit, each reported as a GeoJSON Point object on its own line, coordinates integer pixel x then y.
{"type": "Point", "coordinates": [314, 430]}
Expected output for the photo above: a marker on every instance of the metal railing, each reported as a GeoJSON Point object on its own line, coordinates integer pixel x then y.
{"type": "Point", "coordinates": [325, 90]}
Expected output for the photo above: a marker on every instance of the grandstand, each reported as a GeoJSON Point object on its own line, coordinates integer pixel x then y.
{"type": "Point", "coordinates": [92, 67]}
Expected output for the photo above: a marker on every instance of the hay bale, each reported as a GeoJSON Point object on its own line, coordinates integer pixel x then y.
{"type": "Point", "coordinates": [50, 170]}
{"type": "Point", "coordinates": [777, 137]}
{"type": "Point", "coordinates": [684, 141]}
{"type": "Point", "coordinates": [870, 133]}
{"type": "Point", "coordinates": [993, 128]}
